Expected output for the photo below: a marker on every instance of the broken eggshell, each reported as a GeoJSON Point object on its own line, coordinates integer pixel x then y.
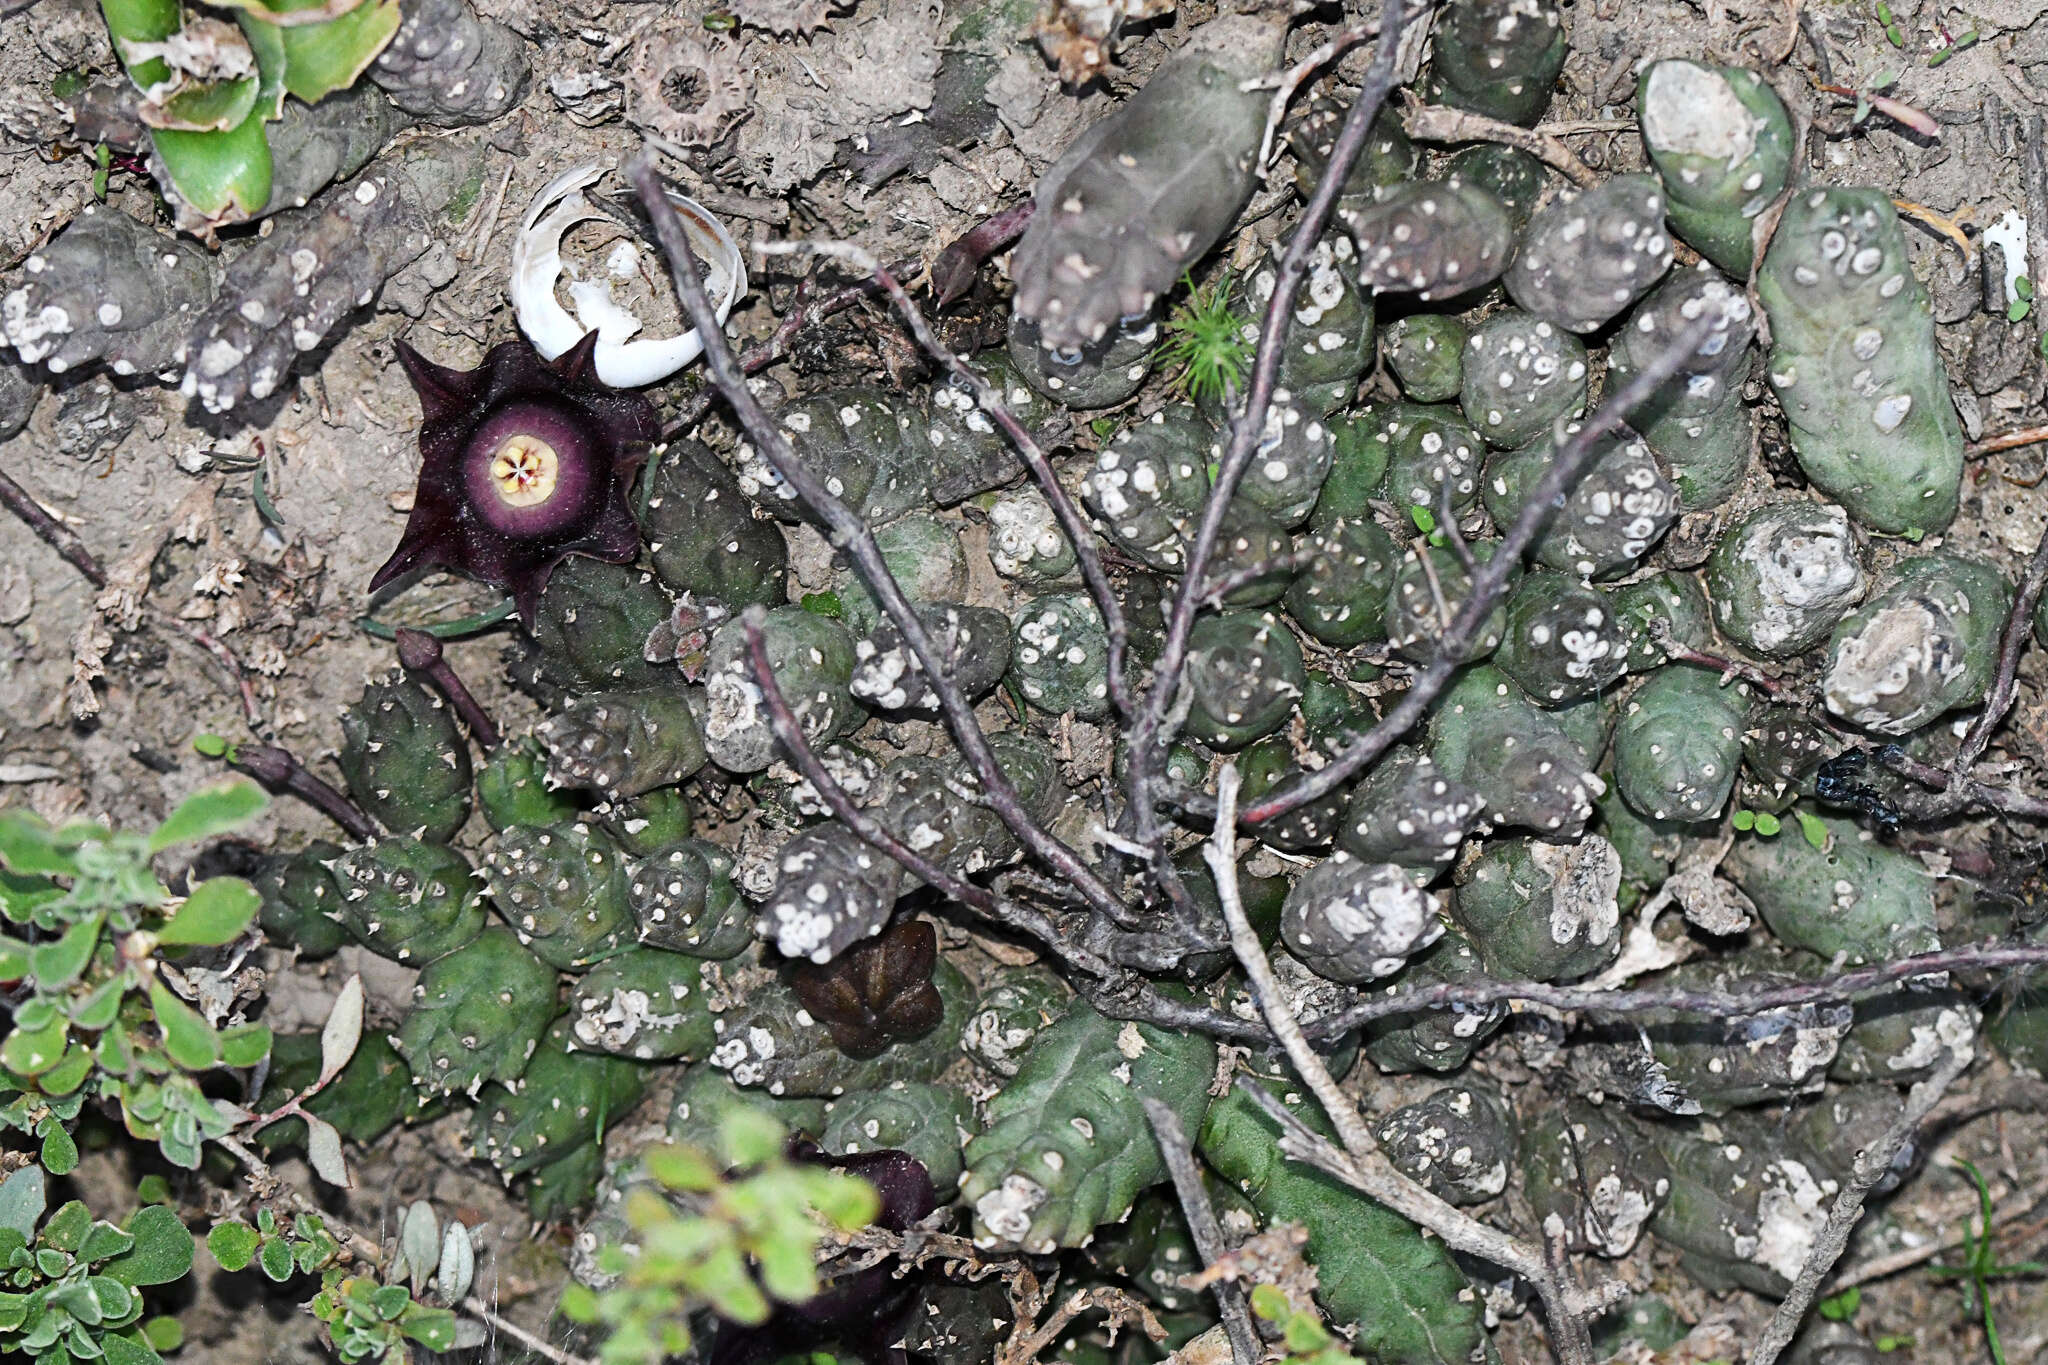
{"type": "Point", "coordinates": [624, 359]}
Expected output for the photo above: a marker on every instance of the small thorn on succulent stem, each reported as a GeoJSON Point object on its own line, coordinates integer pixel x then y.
{"type": "Point", "coordinates": [280, 771]}
{"type": "Point", "coordinates": [419, 652]}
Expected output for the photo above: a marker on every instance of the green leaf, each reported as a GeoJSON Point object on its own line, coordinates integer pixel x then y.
{"type": "Point", "coordinates": [433, 1328]}
{"type": "Point", "coordinates": [32, 1052]}
{"type": "Point", "coordinates": [233, 1244]}
{"type": "Point", "coordinates": [67, 1227]}
{"type": "Point", "coordinates": [223, 177]}
{"type": "Point", "coordinates": [323, 58]}
{"type": "Point", "coordinates": [103, 1242]}
{"type": "Point", "coordinates": [152, 1189]}
{"type": "Point", "coordinates": [1841, 1307]}
{"type": "Point", "coordinates": [1744, 820]}
{"type": "Point", "coordinates": [13, 959]}
{"type": "Point", "coordinates": [216, 912]}
{"type": "Point", "coordinates": [116, 1300]}
{"type": "Point", "coordinates": [189, 1039]}
{"type": "Point", "coordinates": [276, 1260]}
{"type": "Point", "coordinates": [22, 895]}
{"type": "Point", "coordinates": [1767, 824]}
{"type": "Point", "coordinates": [1424, 519]}
{"type": "Point", "coordinates": [60, 1153]}
{"type": "Point", "coordinates": [57, 964]}
{"type": "Point", "coordinates": [123, 1350]}
{"type": "Point", "coordinates": [97, 1010]}
{"type": "Point", "coordinates": [69, 1073]}
{"type": "Point", "coordinates": [390, 1301]}
{"type": "Point", "coordinates": [162, 1251]}
{"type": "Point", "coordinates": [1810, 826]}
{"type": "Point", "coordinates": [29, 847]}
{"type": "Point", "coordinates": [210, 810]}
{"type": "Point", "coordinates": [212, 746]}
{"type": "Point", "coordinates": [245, 1044]}
{"type": "Point", "coordinates": [164, 1333]}
{"type": "Point", "coordinates": [204, 106]}
{"type": "Point", "coordinates": [23, 1197]}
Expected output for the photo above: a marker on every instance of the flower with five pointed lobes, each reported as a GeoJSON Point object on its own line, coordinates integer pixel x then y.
{"type": "Point", "coordinates": [522, 461]}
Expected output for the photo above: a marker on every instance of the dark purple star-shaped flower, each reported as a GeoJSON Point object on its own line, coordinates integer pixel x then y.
{"type": "Point", "coordinates": [522, 461]}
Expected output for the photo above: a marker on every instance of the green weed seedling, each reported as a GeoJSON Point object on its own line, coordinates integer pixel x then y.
{"type": "Point", "coordinates": [1981, 1265]}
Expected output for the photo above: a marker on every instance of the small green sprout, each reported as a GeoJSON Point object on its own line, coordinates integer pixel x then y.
{"type": "Point", "coordinates": [1892, 33]}
{"type": "Point", "coordinates": [1205, 342]}
{"type": "Point", "coordinates": [1841, 1307]}
{"type": "Point", "coordinates": [1760, 821]}
{"type": "Point", "coordinates": [1425, 522]}
{"type": "Point", "coordinates": [1811, 827]}
{"type": "Point", "coordinates": [1981, 1264]}
{"type": "Point", "coordinates": [2023, 300]}
{"type": "Point", "coordinates": [824, 604]}
{"type": "Point", "coordinates": [1307, 1340]}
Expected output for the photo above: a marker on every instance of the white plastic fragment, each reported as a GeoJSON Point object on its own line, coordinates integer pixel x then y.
{"type": "Point", "coordinates": [624, 359]}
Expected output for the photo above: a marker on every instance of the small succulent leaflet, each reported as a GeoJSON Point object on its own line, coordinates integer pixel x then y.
{"type": "Point", "coordinates": [622, 744]}
{"type": "Point", "coordinates": [1147, 189]}
{"type": "Point", "coordinates": [1425, 352]}
{"type": "Point", "coordinates": [1659, 608]}
{"type": "Point", "coordinates": [1387, 159]}
{"type": "Point", "coordinates": [925, 1120]}
{"type": "Point", "coordinates": [1245, 671]}
{"type": "Point", "coordinates": [1100, 375]}
{"type": "Point", "coordinates": [1784, 575]}
{"type": "Point", "coordinates": [1436, 1040]}
{"type": "Point", "coordinates": [1721, 141]}
{"type": "Point", "coordinates": [566, 1099]}
{"type": "Point", "coordinates": [703, 539]}
{"type": "Point", "coordinates": [1400, 1292]}
{"type": "Point", "coordinates": [812, 658]}
{"type": "Point", "coordinates": [1066, 1145]}
{"type": "Point", "coordinates": [299, 899]}
{"type": "Point", "coordinates": [1353, 922]}
{"type": "Point", "coordinates": [1620, 509]}
{"type": "Point", "coordinates": [645, 1004]}
{"type": "Point", "coordinates": [591, 630]}
{"type": "Point", "coordinates": [405, 899]}
{"type": "Point", "coordinates": [1531, 773]}
{"type": "Point", "coordinates": [1059, 655]}
{"type": "Point", "coordinates": [1563, 641]}
{"type": "Point", "coordinates": [1743, 1206]}
{"type": "Point", "coordinates": [450, 66]}
{"type": "Point", "coordinates": [1771, 1057]}
{"type": "Point", "coordinates": [1854, 363]}
{"type": "Point", "coordinates": [523, 461]}
{"type": "Point", "coordinates": [1409, 811]}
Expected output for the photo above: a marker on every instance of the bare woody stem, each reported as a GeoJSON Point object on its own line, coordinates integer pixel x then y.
{"type": "Point", "coordinates": [419, 652]}
{"type": "Point", "coordinates": [853, 537]}
{"type": "Point", "coordinates": [51, 531]}
{"type": "Point", "coordinates": [1146, 739]}
{"type": "Point", "coordinates": [1567, 466]}
{"type": "Point", "coordinates": [1203, 1227]}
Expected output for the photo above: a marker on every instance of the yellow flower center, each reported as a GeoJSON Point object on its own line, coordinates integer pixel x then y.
{"type": "Point", "coordinates": [524, 469]}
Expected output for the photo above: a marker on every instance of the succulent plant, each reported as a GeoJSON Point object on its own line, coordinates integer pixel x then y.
{"type": "Point", "coordinates": [1854, 363]}
{"type": "Point", "coordinates": [1147, 190]}
{"type": "Point", "coordinates": [622, 744]}
{"type": "Point", "coordinates": [523, 461]}
{"type": "Point", "coordinates": [592, 626]}
{"type": "Point", "coordinates": [1433, 459]}
{"type": "Point", "coordinates": [1782, 748]}
{"type": "Point", "coordinates": [1059, 656]}
{"type": "Point", "coordinates": [920, 1118]}
{"type": "Point", "coordinates": [1784, 574]}
{"type": "Point", "coordinates": [1246, 538]}
{"type": "Point", "coordinates": [1436, 239]}
{"type": "Point", "coordinates": [974, 642]}
{"type": "Point", "coordinates": [1697, 422]}
{"type": "Point", "coordinates": [1264, 766]}
{"type": "Point", "coordinates": [562, 888]}
{"type": "Point", "coordinates": [1854, 897]}
{"type": "Point", "coordinates": [831, 891]}
{"type": "Point", "coordinates": [643, 1003]}
{"type": "Point", "coordinates": [1408, 812]}
{"type": "Point", "coordinates": [1066, 1146]}
{"type": "Point", "coordinates": [1745, 1205]}
{"type": "Point", "coordinates": [1679, 744]}
{"type": "Point", "coordinates": [565, 1099]}
{"type": "Point", "coordinates": [1150, 482]}
{"type": "Point", "coordinates": [1025, 542]}
{"type": "Point", "coordinates": [649, 823]}
{"type": "Point", "coordinates": [301, 902]}
{"type": "Point", "coordinates": [512, 787]}
{"type": "Point", "coordinates": [1487, 736]}
{"type": "Point", "coordinates": [1100, 375]}
{"type": "Point", "coordinates": [684, 901]}
{"type": "Point", "coordinates": [363, 1101]}
{"type": "Point", "coordinates": [1620, 508]}
{"type": "Point", "coordinates": [1587, 255]}
{"type": "Point", "coordinates": [110, 290]}
{"type": "Point", "coordinates": [1400, 1292]}
{"type": "Point", "coordinates": [1499, 58]}
{"type": "Point", "coordinates": [1328, 344]}
{"type": "Point", "coordinates": [1902, 1038]}
{"type": "Point", "coordinates": [1663, 605]}
{"type": "Point", "coordinates": [1509, 174]}
{"type": "Point", "coordinates": [1289, 463]}
{"type": "Point", "coordinates": [971, 452]}
{"type": "Point", "coordinates": [812, 658]}
{"type": "Point", "coordinates": [1925, 645]}
{"type": "Point", "coordinates": [1359, 452]}
{"type": "Point", "coordinates": [1016, 1004]}
{"type": "Point", "coordinates": [1563, 640]}
{"type": "Point", "coordinates": [1433, 1040]}
{"type": "Point", "coordinates": [703, 538]}
{"type": "Point", "coordinates": [406, 899]}
{"type": "Point", "coordinates": [1458, 1142]}
{"type": "Point", "coordinates": [1722, 1064]}
{"type": "Point", "coordinates": [406, 763]}
{"type": "Point", "coordinates": [1245, 672]}
{"type": "Point", "coordinates": [1354, 922]}
{"type": "Point", "coordinates": [1426, 352]}
{"type": "Point", "coordinates": [1387, 159]}
{"type": "Point", "coordinates": [1721, 141]}
{"type": "Point", "coordinates": [1519, 376]}
{"type": "Point", "coordinates": [447, 65]}
{"type": "Point", "coordinates": [1544, 912]}
{"type": "Point", "coordinates": [772, 1042]}
{"type": "Point", "coordinates": [1428, 589]}
{"type": "Point", "coordinates": [924, 555]}
{"type": "Point", "coordinates": [478, 1014]}
{"type": "Point", "coordinates": [1595, 1176]}
{"type": "Point", "coordinates": [1340, 598]}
